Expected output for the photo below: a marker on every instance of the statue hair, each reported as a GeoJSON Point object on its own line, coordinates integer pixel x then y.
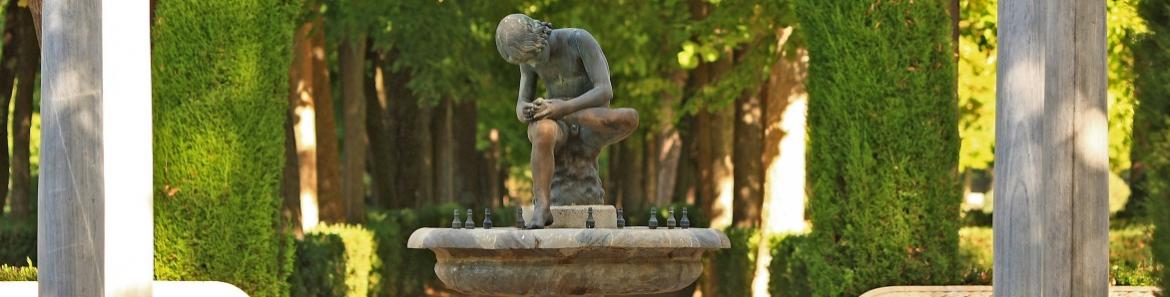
{"type": "Point", "coordinates": [518, 35]}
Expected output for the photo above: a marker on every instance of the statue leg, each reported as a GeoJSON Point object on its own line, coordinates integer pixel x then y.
{"type": "Point", "coordinates": [605, 126]}
{"type": "Point", "coordinates": [545, 136]}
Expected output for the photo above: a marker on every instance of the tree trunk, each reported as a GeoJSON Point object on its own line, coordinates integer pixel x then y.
{"type": "Point", "coordinates": [290, 182]}
{"type": "Point", "coordinates": [614, 177]}
{"type": "Point", "coordinates": [468, 162]}
{"type": "Point", "coordinates": [26, 72]}
{"type": "Point", "coordinates": [747, 156]}
{"type": "Point", "coordinates": [444, 147]}
{"type": "Point", "coordinates": [379, 133]}
{"type": "Point", "coordinates": [650, 167]}
{"type": "Point", "coordinates": [668, 143]}
{"type": "Point", "coordinates": [301, 102]}
{"type": "Point", "coordinates": [8, 61]}
{"type": "Point", "coordinates": [716, 134]}
{"type": "Point", "coordinates": [333, 208]}
{"type": "Point", "coordinates": [351, 55]}
{"type": "Point", "coordinates": [495, 172]}
{"type": "Point", "coordinates": [633, 183]}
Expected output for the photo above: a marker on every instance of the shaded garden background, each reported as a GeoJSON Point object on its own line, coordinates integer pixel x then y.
{"type": "Point", "coordinates": [376, 118]}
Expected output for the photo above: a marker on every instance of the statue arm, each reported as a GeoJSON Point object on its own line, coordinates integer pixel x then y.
{"type": "Point", "coordinates": [527, 87]}
{"type": "Point", "coordinates": [598, 69]}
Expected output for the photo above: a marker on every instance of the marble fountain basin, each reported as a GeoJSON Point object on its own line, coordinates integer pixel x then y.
{"type": "Point", "coordinates": [568, 261]}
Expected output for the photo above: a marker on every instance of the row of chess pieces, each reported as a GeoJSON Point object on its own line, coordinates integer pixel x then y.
{"type": "Point", "coordinates": [684, 223]}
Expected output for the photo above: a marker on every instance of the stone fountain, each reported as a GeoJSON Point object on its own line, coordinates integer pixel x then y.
{"type": "Point", "coordinates": [571, 260]}
{"type": "Point", "coordinates": [574, 244]}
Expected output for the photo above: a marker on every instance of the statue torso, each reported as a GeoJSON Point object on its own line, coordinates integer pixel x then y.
{"type": "Point", "coordinates": [564, 74]}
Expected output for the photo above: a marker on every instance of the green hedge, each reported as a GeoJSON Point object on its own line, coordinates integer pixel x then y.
{"type": "Point", "coordinates": [17, 273]}
{"type": "Point", "coordinates": [406, 272]}
{"type": "Point", "coordinates": [18, 241]}
{"type": "Point", "coordinates": [1151, 124]}
{"type": "Point", "coordinates": [735, 267]}
{"type": "Point", "coordinates": [883, 147]}
{"type": "Point", "coordinates": [220, 81]}
{"type": "Point", "coordinates": [320, 269]}
{"type": "Point", "coordinates": [317, 263]}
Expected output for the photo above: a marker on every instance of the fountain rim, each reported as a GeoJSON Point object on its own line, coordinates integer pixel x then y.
{"type": "Point", "coordinates": [510, 238]}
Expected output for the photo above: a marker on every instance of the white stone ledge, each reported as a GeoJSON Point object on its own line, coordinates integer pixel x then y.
{"type": "Point", "coordinates": [982, 291]}
{"type": "Point", "coordinates": [161, 288]}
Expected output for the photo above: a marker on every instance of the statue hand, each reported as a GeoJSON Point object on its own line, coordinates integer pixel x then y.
{"type": "Point", "coordinates": [550, 109]}
{"type": "Point", "coordinates": [525, 111]}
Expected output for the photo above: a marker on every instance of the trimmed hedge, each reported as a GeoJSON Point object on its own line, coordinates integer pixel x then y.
{"type": "Point", "coordinates": [17, 273]}
{"type": "Point", "coordinates": [358, 259]}
{"type": "Point", "coordinates": [735, 267]}
{"type": "Point", "coordinates": [883, 148]}
{"type": "Point", "coordinates": [320, 268]}
{"type": "Point", "coordinates": [18, 241]}
{"type": "Point", "coordinates": [1151, 125]}
{"type": "Point", "coordinates": [220, 81]}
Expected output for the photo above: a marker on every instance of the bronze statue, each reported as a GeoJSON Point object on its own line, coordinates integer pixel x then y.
{"type": "Point", "coordinates": [570, 127]}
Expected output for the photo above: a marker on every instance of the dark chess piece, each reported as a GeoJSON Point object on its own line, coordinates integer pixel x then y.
{"type": "Point", "coordinates": [487, 218]}
{"type": "Point", "coordinates": [519, 218]}
{"type": "Point", "coordinates": [670, 222]}
{"type": "Point", "coordinates": [621, 219]}
{"type": "Point", "coordinates": [589, 223]}
{"type": "Point", "coordinates": [470, 222]}
{"type": "Point", "coordinates": [685, 223]}
{"type": "Point", "coordinates": [653, 218]}
{"type": "Point", "coordinates": [455, 224]}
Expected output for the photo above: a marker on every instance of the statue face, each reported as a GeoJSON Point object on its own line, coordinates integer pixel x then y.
{"type": "Point", "coordinates": [522, 40]}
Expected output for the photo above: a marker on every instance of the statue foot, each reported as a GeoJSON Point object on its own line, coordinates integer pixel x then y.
{"type": "Point", "coordinates": [539, 216]}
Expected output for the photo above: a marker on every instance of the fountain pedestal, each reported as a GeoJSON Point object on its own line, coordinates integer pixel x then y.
{"type": "Point", "coordinates": [569, 261]}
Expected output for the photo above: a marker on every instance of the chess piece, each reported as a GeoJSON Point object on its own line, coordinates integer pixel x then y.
{"type": "Point", "coordinates": [670, 222]}
{"type": "Point", "coordinates": [653, 218]}
{"type": "Point", "coordinates": [589, 223]}
{"type": "Point", "coordinates": [470, 222]}
{"type": "Point", "coordinates": [621, 219]}
{"type": "Point", "coordinates": [455, 224]}
{"type": "Point", "coordinates": [685, 223]}
{"type": "Point", "coordinates": [487, 218]}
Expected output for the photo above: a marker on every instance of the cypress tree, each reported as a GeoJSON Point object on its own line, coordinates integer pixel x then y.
{"type": "Point", "coordinates": [1151, 125]}
{"type": "Point", "coordinates": [883, 148]}
{"type": "Point", "coordinates": [220, 71]}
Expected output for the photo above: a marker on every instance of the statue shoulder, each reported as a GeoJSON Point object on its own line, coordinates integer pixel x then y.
{"type": "Point", "coordinates": [580, 39]}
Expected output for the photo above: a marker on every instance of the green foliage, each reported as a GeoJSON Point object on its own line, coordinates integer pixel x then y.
{"type": "Point", "coordinates": [18, 241]}
{"type": "Point", "coordinates": [735, 267]}
{"type": "Point", "coordinates": [975, 251]}
{"type": "Point", "coordinates": [220, 98]}
{"type": "Point", "coordinates": [1130, 260]}
{"type": "Point", "coordinates": [1151, 125]}
{"type": "Point", "coordinates": [360, 259]}
{"type": "Point", "coordinates": [880, 201]}
{"type": "Point", "coordinates": [18, 273]}
{"type": "Point", "coordinates": [800, 268]}
{"type": "Point", "coordinates": [977, 56]}
{"type": "Point", "coordinates": [320, 267]}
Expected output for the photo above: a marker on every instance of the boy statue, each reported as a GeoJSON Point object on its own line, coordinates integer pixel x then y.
{"type": "Point", "coordinates": [570, 127]}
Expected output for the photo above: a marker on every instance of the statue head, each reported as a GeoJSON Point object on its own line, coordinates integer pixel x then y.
{"type": "Point", "coordinates": [522, 39]}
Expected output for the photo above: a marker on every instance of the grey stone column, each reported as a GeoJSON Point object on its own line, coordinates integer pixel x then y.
{"type": "Point", "coordinates": [95, 231]}
{"type": "Point", "coordinates": [1051, 162]}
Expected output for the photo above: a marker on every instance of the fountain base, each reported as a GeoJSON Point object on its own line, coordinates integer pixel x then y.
{"type": "Point", "coordinates": [508, 261]}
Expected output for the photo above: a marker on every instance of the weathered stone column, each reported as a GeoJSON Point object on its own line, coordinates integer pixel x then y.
{"type": "Point", "coordinates": [95, 230]}
{"type": "Point", "coordinates": [1051, 162]}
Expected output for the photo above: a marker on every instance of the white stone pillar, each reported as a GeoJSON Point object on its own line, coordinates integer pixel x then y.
{"type": "Point", "coordinates": [95, 232]}
{"type": "Point", "coordinates": [1051, 164]}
